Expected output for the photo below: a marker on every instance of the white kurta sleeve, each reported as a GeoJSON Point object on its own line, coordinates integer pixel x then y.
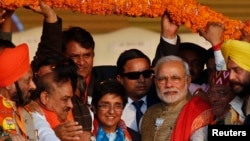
{"type": "Point", "coordinates": [45, 132]}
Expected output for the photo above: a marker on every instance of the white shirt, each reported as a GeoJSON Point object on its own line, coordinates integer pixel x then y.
{"type": "Point", "coordinates": [129, 113]}
{"type": "Point", "coordinates": [237, 104]}
{"type": "Point", "coordinates": [45, 132]}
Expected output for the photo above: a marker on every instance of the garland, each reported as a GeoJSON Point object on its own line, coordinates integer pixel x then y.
{"type": "Point", "coordinates": [188, 12]}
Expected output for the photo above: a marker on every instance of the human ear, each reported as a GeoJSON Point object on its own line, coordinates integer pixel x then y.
{"type": "Point", "coordinates": [44, 97]}
{"type": "Point", "coordinates": [119, 78]}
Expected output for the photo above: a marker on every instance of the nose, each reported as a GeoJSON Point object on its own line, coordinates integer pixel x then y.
{"type": "Point", "coordinates": [141, 78]}
{"type": "Point", "coordinates": [168, 83]}
{"type": "Point", "coordinates": [111, 110]}
{"type": "Point", "coordinates": [70, 104]}
{"type": "Point", "coordinates": [231, 75]}
{"type": "Point", "coordinates": [80, 60]}
{"type": "Point", "coordinates": [32, 85]}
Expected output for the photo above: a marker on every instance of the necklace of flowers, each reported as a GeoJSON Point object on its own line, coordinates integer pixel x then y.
{"type": "Point", "coordinates": [188, 12]}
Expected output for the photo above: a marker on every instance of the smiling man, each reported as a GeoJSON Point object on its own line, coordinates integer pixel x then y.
{"type": "Point", "coordinates": [172, 79]}
{"type": "Point", "coordinates": [236, 54]}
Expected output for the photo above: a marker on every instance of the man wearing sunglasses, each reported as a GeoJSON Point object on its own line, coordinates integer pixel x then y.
{"type": "Point", "coordinates": [135, 74]}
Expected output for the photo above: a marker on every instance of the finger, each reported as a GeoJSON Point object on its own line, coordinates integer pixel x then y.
{"type": "Point", "coordinates": [71, 123]}
{"type": "Point", "coordinates": [201, 32]}
{"type": "Point", "coordinates": [75, 133]}
{"type": "Point", "coordinates": [2, 12]}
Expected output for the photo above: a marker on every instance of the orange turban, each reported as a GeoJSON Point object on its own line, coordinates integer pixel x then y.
{"type": "Point", "coordinates": [237, 51]}
{"type": "Point", "coordinates": [14, 62]}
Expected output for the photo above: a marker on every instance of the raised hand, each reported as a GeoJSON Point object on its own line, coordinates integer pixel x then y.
{"type": "Point", "coordinates": [168, 28]}
{"type": "Point", "coordinates": [213, 33]}
{"type": "Point", "coordinates": [46, 11]}
{"type": "Point", "coordinates": [5, 20]}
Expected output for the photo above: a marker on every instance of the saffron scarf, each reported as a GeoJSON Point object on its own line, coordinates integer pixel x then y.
{"type": "Point", "coordinates": [194, 115]}
{"type": "Point", "coordinates": [122, 132]}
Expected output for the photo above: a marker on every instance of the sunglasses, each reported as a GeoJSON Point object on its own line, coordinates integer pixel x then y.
{"type": "Point", "coordinates": [136, 75]}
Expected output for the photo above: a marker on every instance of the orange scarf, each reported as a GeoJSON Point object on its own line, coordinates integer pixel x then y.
{"type": "Point", "coordinates": [194, 115]}
{"type": "Point", "coordinates": [52, 118]}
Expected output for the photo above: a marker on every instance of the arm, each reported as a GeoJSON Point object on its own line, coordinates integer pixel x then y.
{"type": "Point", "coordinates": [200, 134]}
{"type": "Point", "coordinates": [51, 39]}
{"type": "Point", "coordinates": [45, 133]}
{"type": "Point", "coordinates": [213, 34]}
{"type": "Point", "coordinates": [169, 42]}
{"type": "Point", "coordinates": [6, 24]}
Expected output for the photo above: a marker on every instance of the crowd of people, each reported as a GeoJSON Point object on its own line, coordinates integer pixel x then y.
{"type": "Point", "coordinates": [59, 95]}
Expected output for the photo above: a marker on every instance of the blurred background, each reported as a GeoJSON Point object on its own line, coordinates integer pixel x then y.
{"type": "Point", "coordinates": [235, 9]}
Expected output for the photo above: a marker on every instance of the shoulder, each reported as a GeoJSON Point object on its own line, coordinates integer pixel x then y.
{"type": "Point", "coordinates": [154, 108]}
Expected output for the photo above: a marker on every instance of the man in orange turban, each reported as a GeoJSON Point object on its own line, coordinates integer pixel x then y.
{"type": "Point", "coordinates": [16, 85]}
{"type": "Point", "coordinates": [236, 54]}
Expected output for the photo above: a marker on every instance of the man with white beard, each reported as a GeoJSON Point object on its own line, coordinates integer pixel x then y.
{"type": "Point", "coordinates": [172, 79]}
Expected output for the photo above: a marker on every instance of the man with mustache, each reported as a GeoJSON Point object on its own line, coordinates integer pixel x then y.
{"type": "Point", "coordinates": [236, 54]}
{"type": "Point", "coordinates": [195, 55]}
{"type": "Point", "coordinates": [17, 117]}
{"type": "Point", "coordinates": [172, 79]}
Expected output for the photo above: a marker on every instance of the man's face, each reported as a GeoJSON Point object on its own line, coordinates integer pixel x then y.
{"type": "Point", "coordinates": [59, 100]}
{"type": "Point", "coordinates": [82, 57]}
{"type": "Point", "coordinates": [109, 111]}
{"type": "Point", "coordinates": [171, 82]}
{"type": "Point", "coordinates": [219, 97]}
{"type": "Point", "coordinates": [26, 86]}
{"type": "Point", "coordinates": [138, 87]}
{"type": "Point", "coordinates": [239, 78]}
{"type": "Point", "coordinates": [195, 63]}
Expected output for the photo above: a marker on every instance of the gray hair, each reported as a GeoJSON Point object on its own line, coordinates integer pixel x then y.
{"type": "Point", "coordinates": [171, 58]}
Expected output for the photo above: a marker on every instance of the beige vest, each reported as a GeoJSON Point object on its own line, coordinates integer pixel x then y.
{"type": "Point", "coordinates": [158, 122]}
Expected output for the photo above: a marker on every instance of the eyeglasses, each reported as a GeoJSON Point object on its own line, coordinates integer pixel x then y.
{"type": "Point", "coordinates": [136, 75]}
{"type": "Point", "coordinates": [106, 107]}
{"type": "Point", "coordinates": [163, 79]}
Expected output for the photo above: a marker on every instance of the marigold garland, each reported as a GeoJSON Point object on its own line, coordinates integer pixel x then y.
{"type": "Point", "coordinates": [188, 12]}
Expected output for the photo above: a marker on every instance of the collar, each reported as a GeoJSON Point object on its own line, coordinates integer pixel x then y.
{"type": "Point", "coordinates": [144, 99]}
{"type": "Point", "coordinates": [237, 104]}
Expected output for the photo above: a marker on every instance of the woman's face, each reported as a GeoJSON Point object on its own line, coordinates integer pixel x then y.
{"type": "Point", "coordinates": [109, 111]}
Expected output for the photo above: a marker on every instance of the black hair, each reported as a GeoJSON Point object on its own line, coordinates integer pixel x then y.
{"type": "Point", "coordinates": [186, 46]}
{"type": "Point", "coordinates": [209, 54]}
{"type": "Point", "coordinates": [63, 69]}
{"type": "Point", "coordinates": [79, 35]}
{"type": "Point", "coordinates": [129, 55]}
{"type": "Point", "coordinates": [108, 86]}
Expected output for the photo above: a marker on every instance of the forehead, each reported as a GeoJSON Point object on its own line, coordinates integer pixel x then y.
{"type": "Point", "coordinates": [137, 64]}
{"type": "Point", "coordinates": [231, 64]}
{"type": "Point", "coordinates": [75, 48]}
{"type": "Point", "coordinates": [171, 68]}
{"type": "Point", "coordinates": [28, 74]}
{"type": "Point", "coordinates": [111, 98]}
{"type": "Point", "coordinates": [220, 87]}
{"type": "Point", "coordinates": [62, 88]}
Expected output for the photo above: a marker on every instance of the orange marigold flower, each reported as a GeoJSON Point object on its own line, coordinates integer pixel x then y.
{"type": "Point", "coordinates": [187, 12]}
